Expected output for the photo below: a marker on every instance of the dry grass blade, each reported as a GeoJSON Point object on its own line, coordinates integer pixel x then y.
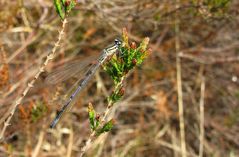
{"type": "Point", "coordinates": [179, 86]}
{"type": "Point", "coordinates": [201, 108]}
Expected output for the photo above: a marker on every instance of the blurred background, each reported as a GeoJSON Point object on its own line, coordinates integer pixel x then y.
{"type": "Point", "coordinates": [182, 101]}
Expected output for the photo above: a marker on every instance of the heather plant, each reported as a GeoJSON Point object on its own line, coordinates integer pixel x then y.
{"type": "Point", "coordinates": [63, 7]}
{"type": "Point", "coordinates": [118, 67]}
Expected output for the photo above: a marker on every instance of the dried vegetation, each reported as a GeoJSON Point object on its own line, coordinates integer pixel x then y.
{"type": "Point", "coordinates": [183, 101]}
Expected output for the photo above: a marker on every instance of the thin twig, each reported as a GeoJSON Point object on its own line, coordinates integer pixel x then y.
{"type": "Point", "coordinates": [201, 108]}
{"type": "Point", "coordinates": [179, 87]}
{"type": "Point", "coordinates": [209, 61]}
{"type": "Point", "coordinates": [30, 85]}
{"type": "Point", "coordinates": [100, 143]}
{"type": "Point", "coordinates": [87, 144]}
{"type": "Point", "coordinates": [39, 144]}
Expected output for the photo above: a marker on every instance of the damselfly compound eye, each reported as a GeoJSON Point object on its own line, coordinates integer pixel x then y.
{"type": "Point", "coordinates": [118, 42]}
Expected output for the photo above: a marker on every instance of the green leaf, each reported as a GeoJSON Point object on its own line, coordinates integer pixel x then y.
{"type": "Point", "coordinates": [59, 9]}
{"type": "Point", "coordinates": [116, 95]}
{"type": "Point", "coordinates": [91, 112]}
{"type": "Point", "coordinates": [107, 127]}
{"type": "Point", "coordinates": [70, 6]}
{"type": "Point", "coordinates": [38, 111]}
{"type": "Point", "coordinates": [63, 7]}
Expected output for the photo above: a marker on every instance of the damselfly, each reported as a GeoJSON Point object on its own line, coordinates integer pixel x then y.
{"type": "Point", "coordinates": [107, 52]}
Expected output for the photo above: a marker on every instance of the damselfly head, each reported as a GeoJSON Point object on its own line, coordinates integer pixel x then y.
{"type": "Point", "coordinates": [118, 42]}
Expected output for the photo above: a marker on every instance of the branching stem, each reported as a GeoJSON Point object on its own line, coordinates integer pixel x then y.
{"type": "Point", "coordinates": [30, 85]}
{"type": "Point", "coordinates": [102, 120]}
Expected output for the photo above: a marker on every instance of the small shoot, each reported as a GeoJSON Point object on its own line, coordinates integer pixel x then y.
{"type": "Point", "coordinates": [63, 7]}
{"type": "Point", "coordinates": [119, 66]}
{"type": "Point", "coordinates": [69, 5]}
{"type": "Point", "coordinates": [91, 112]}
{"type": "Point", "coordinates": [116, 95]}
{"type": "Point", "coordinates": [106, 127]}
{"type": "Point", "coordinates": [33, 111]}
{"type": "Point", "coordinates": [130, 56]}
{"type": "Point", "coordinates": [38, 111]}
{"type": "Point", "coordinates": [93, 117]}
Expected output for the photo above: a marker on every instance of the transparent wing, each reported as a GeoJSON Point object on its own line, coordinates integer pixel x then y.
{"type": "Point", "coordinates": [68, 70]}
{"type": "Point", "coordinates": [63, 98]}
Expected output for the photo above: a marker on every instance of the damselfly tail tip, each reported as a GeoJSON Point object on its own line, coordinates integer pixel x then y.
{"type": "Point", "coordinates": [53, 124]}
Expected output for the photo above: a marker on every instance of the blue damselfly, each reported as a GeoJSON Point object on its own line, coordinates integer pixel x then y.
{"type": "Point", "coordinates": [107, 52]}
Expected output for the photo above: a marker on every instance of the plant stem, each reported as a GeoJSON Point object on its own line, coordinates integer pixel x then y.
{"type": "Point", "coordinates": [102, 120]}
{"type": "Point", "coordinates": [179, 84]}
{"type": "Point", "coordinates": [30, 85]}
